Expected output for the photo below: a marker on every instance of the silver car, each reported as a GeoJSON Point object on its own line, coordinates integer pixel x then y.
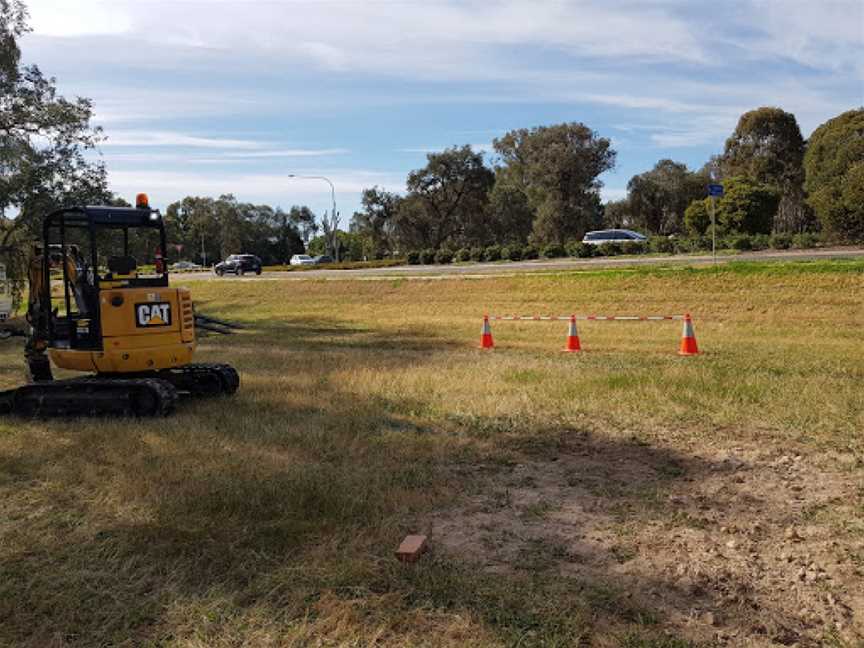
{"type": "Point", "coordinates": [302, 259]}
{"type": "Point", "coordinates": [599, 237]}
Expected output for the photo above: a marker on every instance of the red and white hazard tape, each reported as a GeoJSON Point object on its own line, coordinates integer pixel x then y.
{"type": "Point", "coordinates": [563, 318]}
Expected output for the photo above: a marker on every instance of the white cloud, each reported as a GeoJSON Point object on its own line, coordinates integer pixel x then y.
{"type": "Point", "coordinates": [421, 39]}
{"type": "Point", "coordinates": [80, 18]}
{"type": "Point", "coordinates": [165, 187]}
{"type": "Point", "coordinates": [168, 138]}
{"type": "Point", "coordinates": [290, 153]}
{"type": "Point", "coordinates": [483, 147]}
{"type": "Point", "coordinates": [463, 40]}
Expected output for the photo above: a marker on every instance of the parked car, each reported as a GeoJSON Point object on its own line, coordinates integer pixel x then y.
{"type": "Point", "coordinates": [599, 237]}
{"type": "Point", "coordinates": [322, 258]}
{"type": "Point", "coordinates": [239, 264]}
{"type": "Point", "coordinates": [302, 259]}
{"type": "Point", "coordinates": [185, 265]}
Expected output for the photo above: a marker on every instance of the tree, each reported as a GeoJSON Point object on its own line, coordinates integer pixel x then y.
{"type": "Point", "coordinates": [304, 222]}
{"type": "Point", "coordinates": [43, 138]}
{"type": "Point", "coordinates": [376, 223]}
{"type": "Point", "coordinates": [557, 169]}
{"type": "Point", "coordinates": [833, 162]}
{"type": "Point", "coordinates": [616, 213]}
{"type": "Point", "coordinates": [768, 148]}
{"type": "Point", "coordinates": [658, 198]}
{"type": "Point", "coordinates": [445, 197]}
{"type": "Point", "coordinates": [747, 207]}
{"type": "Point", "coordinates": [208, 229]}
{"type": "Point", "coordinates": [697, 217]}
{"type": "Point", "coordinates": [510, 218]}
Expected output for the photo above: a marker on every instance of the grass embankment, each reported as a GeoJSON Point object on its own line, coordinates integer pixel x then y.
{"type": "Point", "coordinates": [366, 410]}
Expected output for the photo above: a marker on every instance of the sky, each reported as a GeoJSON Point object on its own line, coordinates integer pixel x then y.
{"type": "Point", "coordinates": [234, 96]}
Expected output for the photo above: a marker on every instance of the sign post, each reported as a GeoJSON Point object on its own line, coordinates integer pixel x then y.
{"type": "Point", "coordinates": [714, 191]}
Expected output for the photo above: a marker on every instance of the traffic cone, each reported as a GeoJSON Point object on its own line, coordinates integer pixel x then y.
{"type": "Point", "coordinates": [573, 343]}
{"type": "Point", "coordinates": [688, 339]}
{"type": "Point", "coordinates": [486, 335]}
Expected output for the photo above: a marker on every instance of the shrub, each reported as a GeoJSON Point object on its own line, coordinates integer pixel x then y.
{"type": "Point", "coordinates": [444, 257]}
{"type": "Point", "coordinates": [552, 251]}
{"type": "Point", "coordinates": [805, 240]}
{"type": "Point", "coordinates": [761, 242]}
{"type": "Point", "coordinates": [413, 258]}
{"type": "Point", "coordinates": [492, 253]}
{"type": "Point", "coordinates": [780, 242]}
{"type": "Point", "coordinates": [512, 252]}
{"type": "Point", "coordinates": [530, 252]}
{"type": "Point", "coordinates": [741, 242]}
{"type": "Point", "coordinates": [609, 249]}
{"type": "Point", "coordinates": [462, 254]}
{"type": "Point", "coordinates": [683, 245]}
{"type": "Point", "coordinates": [340, 265]}
{"type": "Point", "coordinates": [476, 254]}
{"type": "Point", "coordinates": [580, 249]}
{"type": "Point", "coordinates": [427, 256]}
{"type": "Point", "coordinates": [701, 243]}
{"type": "Point", "coordinates": [661, 244]}
{"type": "Point", "coordinates": [697, 220]}
{"type": "Point", "coordinates": [634, 247]}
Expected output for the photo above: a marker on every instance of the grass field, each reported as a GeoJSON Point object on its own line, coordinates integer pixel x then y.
{"type": "Point", "coordinates": [624, 496]}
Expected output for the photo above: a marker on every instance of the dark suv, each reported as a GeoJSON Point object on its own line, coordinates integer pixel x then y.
{"type": "Point", "coordinates": [239, 264]}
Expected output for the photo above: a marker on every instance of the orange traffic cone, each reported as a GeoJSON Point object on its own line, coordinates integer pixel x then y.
{"type": "Point", "coordinates": [486, 335]}
{"type": "Point", "coordinates": [573, 343]}
{"type": "Point", "coordinates": [688, 338]}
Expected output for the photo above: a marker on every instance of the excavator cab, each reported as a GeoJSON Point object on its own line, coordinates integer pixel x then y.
{"type": "Point", "coordinates": [100, 302]}
{"type": "Point", "coordinates": [110, 315]}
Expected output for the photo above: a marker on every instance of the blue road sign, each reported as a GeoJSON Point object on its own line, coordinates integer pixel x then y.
{"type": "Point", "coordinates": [715, 189]}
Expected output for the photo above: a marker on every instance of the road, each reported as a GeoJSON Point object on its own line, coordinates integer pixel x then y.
{"type": "Point", "coordinates": [553, 265]}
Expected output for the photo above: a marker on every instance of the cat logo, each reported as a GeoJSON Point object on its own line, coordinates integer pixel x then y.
{"type": "Point", "coordinates": [156, 314]}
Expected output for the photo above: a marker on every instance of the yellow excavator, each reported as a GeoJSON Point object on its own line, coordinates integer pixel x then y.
{"type": "Point", "coordinates": [97, 312]}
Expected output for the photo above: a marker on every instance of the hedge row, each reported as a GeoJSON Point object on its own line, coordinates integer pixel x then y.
{"type": "Point", "coordinates": [659, 244]}
{"type": "Point", "coordinates": [342, 265]}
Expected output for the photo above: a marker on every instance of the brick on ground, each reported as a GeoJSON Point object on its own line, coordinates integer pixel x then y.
{"type": "Point", "coordinates": [411, 548]}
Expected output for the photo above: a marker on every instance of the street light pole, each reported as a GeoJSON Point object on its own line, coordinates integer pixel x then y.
{"type": "Point", "coordinates": [332, 197]}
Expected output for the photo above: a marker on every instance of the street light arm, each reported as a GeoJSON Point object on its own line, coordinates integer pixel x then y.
{"type": "Point", "coordinates": [332, 196]}
{"type": "Point", "coordinates": [324, 178]}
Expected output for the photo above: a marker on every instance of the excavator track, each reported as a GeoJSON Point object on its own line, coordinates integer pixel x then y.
{"type": "Point", "coordinates": [202, 379]}
{"type": "Point", "coordinates": [140, 397]}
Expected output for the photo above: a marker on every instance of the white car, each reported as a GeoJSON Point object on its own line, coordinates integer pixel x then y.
{"type": "Point", "coordinates": [185, 265]}
{"type": "Point", "coordinates": [302, 259]}
{"type": "Point", "coordinates": [599, 237]}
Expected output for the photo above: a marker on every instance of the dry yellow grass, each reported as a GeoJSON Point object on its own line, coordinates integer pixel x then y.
{"type": "Point", "coordinates": [270, 518]}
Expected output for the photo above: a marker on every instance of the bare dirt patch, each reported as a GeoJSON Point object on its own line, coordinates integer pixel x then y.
{"type": "Point", "coordinates": [737, 545]}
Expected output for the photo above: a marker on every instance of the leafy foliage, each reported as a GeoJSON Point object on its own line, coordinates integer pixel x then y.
{"type": "Point", "coordinates": [462, 255]}
{"type": "Point", "coordinates": [43, 141]}
{"type": "Point", "coordinates": [557, 168]}
{"type": "Point", "coordinates": [492, 253]}
{"type": "Point", "coordinates": [835, 174]}
{"type": "Point", "coordinates": [658, 198]}
{"type": "Point", "coordinates": [767, 147]}
{"type": "Point", "coordinates": [446, 200]}
{"type": "Point", "coordinates": [697, 218]}
{"type": "Point", "coordinates": [444, 257]}
{"type": "Point", "coordinates": [746, 207]}
{"type": "Point", "coordinates": [377, 221]}
{"type": "Point", "coordinates": [216, 227]}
